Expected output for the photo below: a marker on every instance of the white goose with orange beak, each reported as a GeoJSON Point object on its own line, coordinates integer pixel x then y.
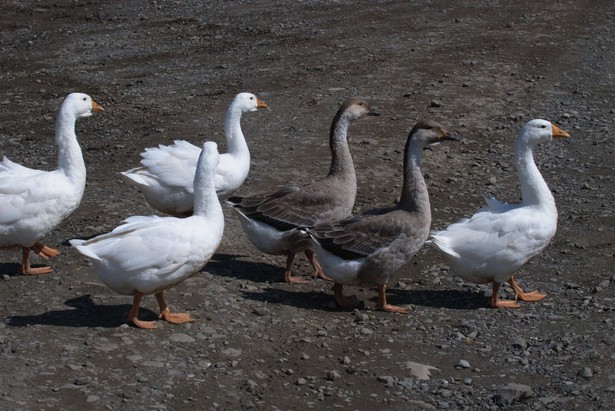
{"type": "Point", "coordinates": [501, 238]}
{"type": "Point", "coordinates": [34, 202]}
{"type": "Point", "coordinates": [167, 172]}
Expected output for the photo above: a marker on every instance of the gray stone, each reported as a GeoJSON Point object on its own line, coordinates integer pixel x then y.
{"type": "Point", "coordinates": [420, 371]}
{"type": "Point", "coordinates": [512, 393]}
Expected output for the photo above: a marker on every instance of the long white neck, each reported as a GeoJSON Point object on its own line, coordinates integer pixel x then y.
{"type": "Point", "coordinates": [534, 189]}
{"type": "Point", "coordinates": [414, 196]}
{"type": "Point", "coordinates": [206, 201]}
{"type": "Point", "coordinates": [70, 159]}
{"type": "Point", "coordinates": [235, 141]}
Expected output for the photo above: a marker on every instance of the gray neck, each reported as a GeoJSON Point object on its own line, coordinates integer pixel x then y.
{"type": "Point", "coordinates": [414, 197]}
{"type": "Point", "coordinates": [534, 189]}
{"type": "Point", "coordinates": [70, 158]}
{"type": "Point", "coordinates": [341, 160]}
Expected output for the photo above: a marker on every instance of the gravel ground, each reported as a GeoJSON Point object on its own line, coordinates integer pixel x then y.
{"type": "Point", "coordinates": [167, 70]}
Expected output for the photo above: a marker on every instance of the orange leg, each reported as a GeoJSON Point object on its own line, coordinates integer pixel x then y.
{"type": "Point", "coordinates": [523, 296]}
{"type": "Point", "coordinates": [25, 265]}
{"type": "Point", "coordinates": [134, 311]}
{"type": "Point", "coordinates": [340, 298]}
{"type": "Point", "coordinates": [43, 251]}
{"type": "Point", "coordinates": [288, 278]}
{"type": "Point", "coordinates": [494, 302]}
{"type": "Point", "coordinates": [382, 302]}
{"type": "Point", "coordinates": [318, 272]}
{"type": "Point", "coordinates": [165, 312]}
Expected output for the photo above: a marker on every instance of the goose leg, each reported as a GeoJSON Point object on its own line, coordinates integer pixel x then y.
{"type": "Point", "coordinates": [382, 302]}
{"type": "Point", "coordinates": [523, 296]}
{"type": "Point", "coordinates": [318, 272]}
{"type": "Point", "coordinates": [43, 251]}
{"type": "Point", "coordinates": [340, 298]}
{"type": "Point", "coordinates": [134, 311]}
{"type": "Point", "coordinates": [165, 312]}
{"type": "Point", "coordinates": [288, 278]}
{"type": "Point", "coordinates": [25, 265]}
{"type": "Point", "coordinates": [494, 302]}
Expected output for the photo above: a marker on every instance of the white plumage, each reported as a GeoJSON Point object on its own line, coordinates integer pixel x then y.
{"type": "Point", "coordinates": [34, 202]}
{"type": "Point", "coordinates": [167, 172]}
{"type": "Point", "coordinates": [147, 255]}
{"type": "Point", "coordinates": [501, 238]}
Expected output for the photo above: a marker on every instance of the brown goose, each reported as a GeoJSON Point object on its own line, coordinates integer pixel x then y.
{"type": "Point", "coordinates": [367, 249]}
{"type": "Point", "coordinates": [271, 221]}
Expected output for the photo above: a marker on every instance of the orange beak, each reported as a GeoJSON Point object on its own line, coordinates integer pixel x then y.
{"type": "Point", "coordinates": [558, 132]}
{"type": "Point", "coordinates": [96, 106]}
{"type": "Point", "coordinates": [260, 103]}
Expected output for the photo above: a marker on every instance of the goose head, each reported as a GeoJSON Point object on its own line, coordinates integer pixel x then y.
{"type": "Point", "coordinates": [355, 108]}
{"type": "Point", "coordinates": [211, 155]}
{"type": "Point", "coordinates": [425, 133]}
{"type": "Point", "coordinates": [248, 102]}
{"type": "Point", "coordinates": [81, 105]}
{"type": "Point", "coordinates": [538, 131]}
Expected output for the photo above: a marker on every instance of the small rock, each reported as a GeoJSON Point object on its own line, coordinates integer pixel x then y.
{"type": "Point", "coordinates": [420, 371]}
{"type": "Point", "coordinates": [231, 352]}
{"type": "Point", "coordinates": [301, 381]}
{"type": "Point", "coordinates": [262, 311]}
{"type": "Point", "coordinates": [333, 375]}
{"type": "Point", "coordinates": [511, 393]}
{"type": "Point", "coordinates": [463, 364]}
{"type": "Point", "coordinates": [585, 372]}
{"type": "Point", "coordinates": [435, 103]}
{"type": "Point", "coordinates": [387, 380]}
{"type": "Point", "coordinates": [519, 343]}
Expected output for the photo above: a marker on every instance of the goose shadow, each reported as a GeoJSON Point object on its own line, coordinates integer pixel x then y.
{"type": "Point", "coordinates": [308, 300]}
{"type": "Point", "coordinates": [84, 313]}
{"type": "Point", "coordinates": [451, 299]}
{"type": "Point", "coordinates": [232, 265]}
{"type": "Point", "coordinates": [12, 269]}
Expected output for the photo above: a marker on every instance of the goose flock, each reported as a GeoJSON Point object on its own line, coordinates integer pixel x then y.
{"type": "Point", "coordinates": [150, 254]}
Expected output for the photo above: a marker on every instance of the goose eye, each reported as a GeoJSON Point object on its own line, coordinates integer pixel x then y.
{"type": "Point", "coordinates": [84, 99]}
{"type": "Point", "coordinates": [543, 126]}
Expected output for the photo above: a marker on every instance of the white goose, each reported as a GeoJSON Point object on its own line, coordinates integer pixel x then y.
{"type": "Point", "coordinates": [147, 255]}
{"type": "Point", "coordinates": [34, 202]}
{"type": "Point", "coordinates": [501, 238]}
{"type": "Point", "coordinates": [369, 248]}
{"type": "Point", "coordinates": [272, 221]}
{"type": "Point", "coordinates": [167, 172]}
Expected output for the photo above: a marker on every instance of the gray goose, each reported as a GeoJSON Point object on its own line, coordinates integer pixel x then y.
{"type": "Point", "coordinates": [367, 249]}
{"type": "Point", "coordinates": [272, 221]}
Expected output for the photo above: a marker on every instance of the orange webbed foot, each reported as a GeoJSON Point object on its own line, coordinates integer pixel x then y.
{"type": "Point", "coordinates": [146, 325]}
{"type": "Point", "coordinates": [43, 251]}
{"type": "Point", "coordinates": [175, 318]}
{"type": "Point", "coordinates": [36, 271]}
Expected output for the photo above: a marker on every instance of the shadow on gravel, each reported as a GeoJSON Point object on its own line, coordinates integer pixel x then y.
{"type": "Point", "coordinates": [230, 265]}
{"type": "Point", "coordinates": [85, 313]}
{"type": "Point", "coordinates": [453, 299]}
{"type": "Point", "coordinates": [296, 298]}
{"type": "Point", "coordinates": [11, 269]}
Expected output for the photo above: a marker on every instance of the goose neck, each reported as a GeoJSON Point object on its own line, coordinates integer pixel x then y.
{"type": "Point", "coordinates": [70, 158]}
{"type": "Point", "coordinates": [235, 140]}
{"type": "Point", "coordinates": [414, 196]}
{"type": "Point", "coordinates": [341, 159]}
{"type": "Point", "coordinates": [534, 189]}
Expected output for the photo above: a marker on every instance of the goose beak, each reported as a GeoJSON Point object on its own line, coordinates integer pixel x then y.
{"type": "Point", "coordinates": [373, 113]}
{"type": "Point", "coordinates": [445, 135]}
{"type": "Point", "coordinates": [260, 104]}
{"type": "Point", "coordinates": [558, 132]}
{"type": "Point", "coordinates": [96, 106]}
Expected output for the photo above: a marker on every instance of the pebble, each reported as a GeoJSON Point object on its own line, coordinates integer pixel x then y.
{"type": "Point", "coordinates": [333, 375]}
{"type": "Point", "coordinates": [512, 393]}
{"type": "Point", "coordinates": [463, 364]}
{"type": "Point", "coordinates": [420, 371]}
{"type": "Point", "coordinates": [586, 372]}
{"type": "Point", "coordinates": [232, 352]}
